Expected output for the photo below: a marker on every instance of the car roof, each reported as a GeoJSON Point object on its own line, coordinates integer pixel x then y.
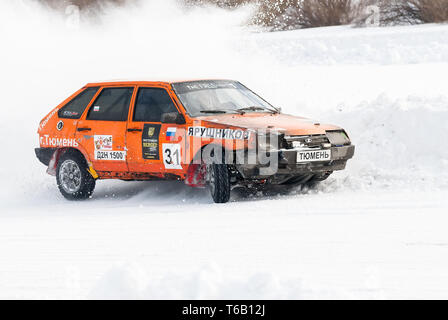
{"type": "Point", "coordinates": [119, 82]}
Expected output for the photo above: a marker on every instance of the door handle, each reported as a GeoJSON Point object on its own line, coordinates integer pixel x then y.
{"type": "Point", "coordinates": [83, 129]}
{"type": "Point", "coordinates": [135, 130]}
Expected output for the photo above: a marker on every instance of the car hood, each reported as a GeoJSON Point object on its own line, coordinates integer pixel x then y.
{"type": "Point", "coordinates": [288, 124]}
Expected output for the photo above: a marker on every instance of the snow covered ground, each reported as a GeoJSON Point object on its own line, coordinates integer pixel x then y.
{"type": "Point", "coordinates": [166, 242]}
{"type": "Point", "coordinates": [376, 230]}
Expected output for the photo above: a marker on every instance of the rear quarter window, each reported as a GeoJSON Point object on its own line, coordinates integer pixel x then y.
{"type": "Point", "coordinates": [75, 108]}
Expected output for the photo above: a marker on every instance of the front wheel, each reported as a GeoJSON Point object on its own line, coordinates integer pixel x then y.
{"type": "Point", "coordinates": [72, 177]}
{"type": "Point", "coordinates": [219, 182]}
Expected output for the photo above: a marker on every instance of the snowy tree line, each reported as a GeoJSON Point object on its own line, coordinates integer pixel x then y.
{"type": "Point", "coordinates": [296, 14]}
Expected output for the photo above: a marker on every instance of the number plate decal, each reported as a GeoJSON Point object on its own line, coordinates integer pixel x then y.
{"type": "Point", "coordinates": [110, 155]}
{"type": "Point", "coordinates": [313, 156]}
{"type": "Point", "coordinates": [171, 155]}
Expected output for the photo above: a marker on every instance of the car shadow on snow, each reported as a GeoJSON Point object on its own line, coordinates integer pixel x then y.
{"type": "Point", "coordinates": [170, 192]}
{"type": "Point", "coordinates": [176, 192]}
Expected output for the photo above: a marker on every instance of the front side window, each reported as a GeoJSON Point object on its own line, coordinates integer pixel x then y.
{"type": "Point", "coordinates": [219, 96]}
{"type": "Point", "coordinates": [112, 104]}
{"type": "Point", "coordinates": [151, 104]}
{"type": "Point", "coordinates": [75, 108]}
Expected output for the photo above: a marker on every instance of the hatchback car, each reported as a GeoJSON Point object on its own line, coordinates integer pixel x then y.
{"type": "Point", "coordinates": [214, 133]}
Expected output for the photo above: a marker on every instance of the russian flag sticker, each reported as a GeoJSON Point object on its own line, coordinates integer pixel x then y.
{"type": "Point", "coordinates": [170, 133]}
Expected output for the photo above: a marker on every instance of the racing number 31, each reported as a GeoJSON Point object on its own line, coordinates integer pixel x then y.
{"type": "Point", "coordinates": [171, 156]}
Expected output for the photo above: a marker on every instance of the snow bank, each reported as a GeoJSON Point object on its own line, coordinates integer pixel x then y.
{"type": "Point", "coordinates": [132, 281]}
{"type": "Point", "coordinates": [357, 46]}
{"type": "Point", "coordinates": [399, 142]}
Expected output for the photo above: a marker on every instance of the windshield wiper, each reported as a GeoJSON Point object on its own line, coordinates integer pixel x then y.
{"type": "Point", "coordinates": [240, 110]}
{"type": "Point", "coordinates": [213, 111]}
{"type": "Point", "coordinates": [255, 108]}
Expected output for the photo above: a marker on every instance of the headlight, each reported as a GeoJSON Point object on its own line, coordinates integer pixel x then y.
{"type": "Point", "coordinates": [338, 138]}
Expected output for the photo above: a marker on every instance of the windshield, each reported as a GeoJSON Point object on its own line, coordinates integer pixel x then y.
{"type": "Point", "coordinates": [219, 96]}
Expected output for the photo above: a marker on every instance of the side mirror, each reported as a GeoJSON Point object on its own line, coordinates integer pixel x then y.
{"type": "Point", "coordinates": [173, 117]}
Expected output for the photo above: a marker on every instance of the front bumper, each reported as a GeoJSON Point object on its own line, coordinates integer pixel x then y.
{"type": "Point", "coordinates": [287, 164]}
{"type": "Point", "coordinates": [339, 157]}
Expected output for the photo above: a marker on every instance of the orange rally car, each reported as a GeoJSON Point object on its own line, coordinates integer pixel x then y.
{"type": "Point", "coordinates": [214, 133]}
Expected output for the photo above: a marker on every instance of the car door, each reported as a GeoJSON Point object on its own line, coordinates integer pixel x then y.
{"type": "Point", "coordinates": [102, 132]}
{"type": "Point", "coordinates": [155, 142]}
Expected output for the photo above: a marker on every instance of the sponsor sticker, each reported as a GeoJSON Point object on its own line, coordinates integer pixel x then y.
{"type": "Point", "coordinates": [96, 108]}
{"type": "Point", "coordinates": [103, 142]}
{"type": "Point", "coordinates": [60, 125]}
{"type": "Point", "coordinates": [150, 141]}
{"type": "Point", "coordinates": [201, 85]}
{"type": "Point", "coordinates": [47, 141]}
{"type": "Point", "coordinates": [110, 155]}
{"type": "Point", "coordinates": [217, 133]}
{"type": "Point", "coordinates": [171, 133]}
{"type": "Point", "coordinates": [68, 113]}
{"type": "Point", "coordinates": [45, 121]}
{"type": "Point", "coordinates": [104, 149]}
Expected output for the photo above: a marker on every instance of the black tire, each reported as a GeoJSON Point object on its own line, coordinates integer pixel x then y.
{"type": "Point", "coordinates": [219, 182]}
{"type": "Point", "coordinates": [73, 179]}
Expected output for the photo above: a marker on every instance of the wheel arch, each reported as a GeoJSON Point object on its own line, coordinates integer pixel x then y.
{"type": "Point", "coordinates": [59, 152]}
{"type": "Point", "coordinates": [195, 176]}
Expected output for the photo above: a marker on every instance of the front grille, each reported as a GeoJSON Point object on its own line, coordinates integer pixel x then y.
{"type": "Point", "coordinates": [311, 141]}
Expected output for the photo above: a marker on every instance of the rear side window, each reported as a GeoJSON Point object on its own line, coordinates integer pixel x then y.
{"type": "Point", "coordinates": [151, 104]}
{"type": "Point", "coordinates": [112, 104]}
{"type": "Point", "coordinates": [75, 108]}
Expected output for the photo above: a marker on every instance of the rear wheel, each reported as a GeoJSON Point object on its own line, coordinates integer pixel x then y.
{"type": "Point", "coordinates": [219, 182]}
{"type": "Point", "coordinates": [73, 179]}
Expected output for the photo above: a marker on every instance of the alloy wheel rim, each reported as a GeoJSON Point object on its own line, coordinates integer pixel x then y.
{"type": "Point", "coordinates": [70, 176]}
